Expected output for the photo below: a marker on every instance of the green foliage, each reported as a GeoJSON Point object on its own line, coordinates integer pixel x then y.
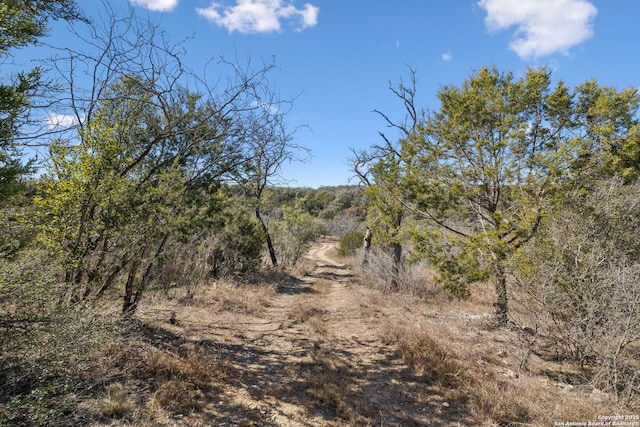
{"type": "Point", "coordinates": [111, 201]}
{"type": "Point", "coordinates": [317, 201]}
{"type": "Point", "coordinates": [350, 242]}
{"type": "Point", "coordinates": [483, 165]}
{"type": "Point", "coordinates": [481, 172]}
{"type": "Point", "coordinates": [53, 362]}
{"type": "Point", "coordinates": [347, 203]}
{"type": "Point", "coordinates": [14, 107]}
{"type": "Point", "coordinates": [387, 215]}
{"type": "Point", "coordinates": [226, 245]}
{"type": "Point", "coordinates": [472, 182]}
{"type": "Point", "coordinates": [17, 230]}
{"type": "Point", "coordinates": [237, 246]}
{"type": "Point", "coordinates": [21, 24]}
{"type": "Point", "coordinates": [44, 347]}
{"type": "Point", "coordinates": [294, 233]}
{"type": "Point", "coordinates": [29, 289]}
{"type": "Point", "coordinates": [609, 143]}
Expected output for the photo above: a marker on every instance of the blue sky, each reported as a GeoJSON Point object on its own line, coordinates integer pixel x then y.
{"type": "Point", "coordinates": [341, 55]}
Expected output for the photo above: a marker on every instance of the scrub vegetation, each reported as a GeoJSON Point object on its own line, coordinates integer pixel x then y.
{"type": "Point", "coordinates": [156, 268]}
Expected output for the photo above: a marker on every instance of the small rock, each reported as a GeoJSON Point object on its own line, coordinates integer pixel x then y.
{"type": "Point", "coordinates": [565, 387]}
{"type": "Point", "coordinates": [510, 374]}
{"type": "Point", "coordinates": [445, 404]}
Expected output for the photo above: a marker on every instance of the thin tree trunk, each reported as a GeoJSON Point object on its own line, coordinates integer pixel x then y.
{"type": "Point", "coordinates": [128, 303]}
{"type": "Point", "coordinates": [500, 305]}
{"type": "Point", "coordinates": [144, 282]}
{"type": "Point", "coordinates": [367, 246]}
{"type": "Point", "coordinates": [272, 251]}
{"type": "Point", "coordinates": [396, 254]}
{"type": "Point", "coordinates": [109, 281]}
{"type": "Point", "coordinates": [396, 251]}
{"type": "Point", "coordinates": [114, 274]}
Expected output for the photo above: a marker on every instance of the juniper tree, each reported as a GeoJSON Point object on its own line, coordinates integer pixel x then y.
{"type": "Point", "coordinates": [481, 171]}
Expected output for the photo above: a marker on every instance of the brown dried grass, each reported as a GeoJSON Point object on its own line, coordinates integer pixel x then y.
{"type": "Point", "coordinates": [478, 374]}
{"type": "Point", "coordinates": [118, 402]}
{"type": "Point", "coordinates": [329, 384]}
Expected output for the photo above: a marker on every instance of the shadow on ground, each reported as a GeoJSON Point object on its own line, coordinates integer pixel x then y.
{"type": "Point", "coordinates": [311, 383]}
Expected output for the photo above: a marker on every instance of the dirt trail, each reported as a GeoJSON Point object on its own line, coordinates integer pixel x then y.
{"type": "Point", "coordinates": [318, 350]}
{"type": "Point", "coordinates": [313, 354]}
{"type": "Point", "coordinates": [315, 358]}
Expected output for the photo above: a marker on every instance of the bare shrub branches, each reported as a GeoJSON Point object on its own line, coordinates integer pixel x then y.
{"type": "Point", "coordinates": [381, 273]}
{"type": "Point", "coordinates": [580, 284]}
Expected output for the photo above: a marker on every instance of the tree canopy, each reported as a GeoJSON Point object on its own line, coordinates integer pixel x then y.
{"type": "Point", "coordinates": [22, 24]}
{"type": "Point", "coordinates": [481, 171]}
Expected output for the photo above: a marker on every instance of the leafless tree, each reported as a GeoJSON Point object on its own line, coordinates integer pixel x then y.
{"type": "Point", "coordinates": [268, 144]}
{"type": "Point", "coordinates": [376, 169]}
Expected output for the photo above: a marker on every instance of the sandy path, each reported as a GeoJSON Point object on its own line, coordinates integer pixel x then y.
{"type": "Point", "coordinates": [346, 362]}
{"type": "Point", "coordinates": [314, 356]}
{"type": "Point", "coordinates": [319, 350]}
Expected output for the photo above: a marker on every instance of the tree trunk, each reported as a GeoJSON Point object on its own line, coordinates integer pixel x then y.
{"type": "Point", "coordinates": [132, 294]}
{"type": "Point", "coordinates": [396, 250]}
{"type": "Point", "coordinates": [146, 277]}
{"type": "Point", "coordinates": [128, 304]}
{"type": "Point", "coordinates": [501, 296]}
{"type": "Point", "coordinates": [396, 254]}
{"type": "Point", "coordinates": [367, 246]}
{"type": "Point", "coordinates": [272, 251]}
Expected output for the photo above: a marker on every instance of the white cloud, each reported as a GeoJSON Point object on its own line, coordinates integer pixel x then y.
{"type": "Point", "coordinates": [446, 57]}
{"type": "Point", "coordinates": [156, 5]}
{"type": "Point", "coordinates": [309, 15]}
{"type": "Point", "coordinates": [543, 27]}
{"type": "Point", "coordinates": [259, 16]}
{"type": "Point", "coordinates": [60, 121]}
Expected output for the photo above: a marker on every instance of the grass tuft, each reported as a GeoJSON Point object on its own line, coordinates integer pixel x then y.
{"type": "Point", "coordinates": [425, 356]}
{"type": "Point", "coordinates": [118, 402]}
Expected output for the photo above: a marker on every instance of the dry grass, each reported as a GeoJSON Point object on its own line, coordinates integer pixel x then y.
{"type": "Point", "coordinates": [306, 310]}
{"type": "Point", "coordinates": [220, 360]}
{"type": "Point", "coordinates": [196, 367]}
{"type": "Point", "coordinates": [177, 396]}
{"type": "Point", "coordinates": [449, 344]}
{"type": "Point", "coordinates": [491, 399]}
{"type": "Point", "coordinates": [240, 298]}
{"type": "Point", "coordinates": [118, 402]}
{"type": "Point", "coordinates": [303, 267]}
{"type": "Point", "coordinates": [329, 384]}
{"type": "Point", "coordinates": [236, 297]}
{"type": "Point", "coordinates": [424, 355]}
{"type": "Point", "coordinates": [496, 400]}
{"type": "Point", "coordinates": [454, 346]}
{"type": "Point", "coordinates": [158, 381]}
{"type": "Point", "coordinates": [306, 307]}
